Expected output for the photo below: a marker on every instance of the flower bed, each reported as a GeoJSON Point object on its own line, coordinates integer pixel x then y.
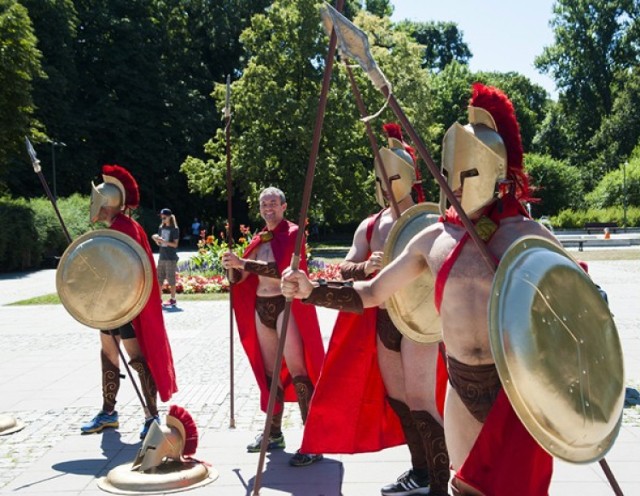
{"type": "Point", "coordinates": [203, 273]}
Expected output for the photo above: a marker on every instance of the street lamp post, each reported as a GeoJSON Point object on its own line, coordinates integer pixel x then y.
{"type": "Point", "coordinates": [624, 195]}
{"type": "Point", "coordinates": [53, 164]}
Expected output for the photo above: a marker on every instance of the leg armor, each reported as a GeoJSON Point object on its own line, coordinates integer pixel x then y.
{"type": "Point", "coordinates": [304, 391]}
{"type": "Point", "coordinates": [432, 434]}
{"type": "Point", "coordinates": [149, 389]}
{"type": "Point", "coordinates": [276, 420]}
{"type": "Point", "coordinates": [414, 440]}
{"type": "Point", "coordinates": [110, 383]}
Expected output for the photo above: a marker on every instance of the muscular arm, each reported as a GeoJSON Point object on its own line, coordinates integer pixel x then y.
{"type": "Point", "coordinates": [357, 265]}
{"type": "Point", "coordinates": [409, 265]}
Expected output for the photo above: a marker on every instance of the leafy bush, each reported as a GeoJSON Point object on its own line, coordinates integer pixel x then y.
{"type": "Point", "coordinates": [19, 245]}
{"type": "Point", "coordinates": [610, 190]}
{"type": "Point", "coordinates": [572, 219]}
{"type": "Point", "coordinates": [558, 185]}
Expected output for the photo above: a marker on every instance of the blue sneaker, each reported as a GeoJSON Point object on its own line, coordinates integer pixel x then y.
{"type": "Point", "coordinates": [147, 425]}
{"type": "Point", "coordinates": [100, 422]}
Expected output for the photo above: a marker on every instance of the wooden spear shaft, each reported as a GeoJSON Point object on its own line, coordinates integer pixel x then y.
{"type": "Point", "coordinates": [295, 260]}
{"type": "Point", "coordinates": [372, 141]}
{"type": "Point", "coordinates": [227, 115]}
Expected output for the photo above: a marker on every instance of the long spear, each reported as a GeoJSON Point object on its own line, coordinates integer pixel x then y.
{"type": "Point", "coordinates": [35, 162]}
{"type": "Point", "coordinates": [227, 130]}
{"type": "Point", "coordinates": [354, 43]}
{"type": "Point", "coordinates": [295, 259]}
{"type": "Point", "coordinates": [373, 142]}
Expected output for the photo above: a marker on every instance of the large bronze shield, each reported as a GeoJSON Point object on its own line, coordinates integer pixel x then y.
{"type": "Point", "coordinates": [557, 351]}
{"type": "Point", "coordinates": [412, 309]}
{"type": "Point", "coordinates": [104, 279]}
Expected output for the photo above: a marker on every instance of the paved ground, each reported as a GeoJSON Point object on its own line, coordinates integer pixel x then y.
{"type": "Point", "coordinates": [49, 376]}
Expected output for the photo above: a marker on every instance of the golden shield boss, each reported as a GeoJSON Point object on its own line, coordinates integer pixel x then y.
{"type": "Point", "coordinates": [557, 351]}
{"type": "Point", "coordinates": [412, 309]}
{"type": "Point", "coordinates": [104, 279]}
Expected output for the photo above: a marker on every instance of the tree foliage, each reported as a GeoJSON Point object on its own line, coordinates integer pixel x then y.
{"type": "Point", "coordinates": [442, 43]}
{"type": "Point", "coordinates": [596, 44]}
{"type": "Point", "coordinates": [556, 184]}
{"type": "Point", "coordinates": [618, 187]}
{"type": "Point", "coordinates": [274, 110]}
{"type": "Point", "coordinates": [19, 65]}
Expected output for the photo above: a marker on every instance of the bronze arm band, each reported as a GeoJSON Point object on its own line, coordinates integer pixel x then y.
{"type": "Point", "coordinates": [264, 269]}
{"type": "Point", "coordinates": [353, 270]}
{"type": "Point", "coordinates": [234, 275]}
{"type": "Point", "coordinates": [337, 295]}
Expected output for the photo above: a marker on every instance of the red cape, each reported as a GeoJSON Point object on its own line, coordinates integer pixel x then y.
{"type": "Point", "coordinates": [149, 324]}
{"type": "Point", "coordinates": [244, 302]}
{"type": "Point", "coordinates": [505, 459]}
{"type": "Point", "coordinates": [350, 392]}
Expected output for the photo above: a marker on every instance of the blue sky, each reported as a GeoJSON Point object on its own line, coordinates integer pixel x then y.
{"type": "Point", "coordinates": [503, 35]}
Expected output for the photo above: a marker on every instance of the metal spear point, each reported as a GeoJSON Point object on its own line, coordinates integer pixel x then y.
{"type": "Point", "coordinates": [38, 170]}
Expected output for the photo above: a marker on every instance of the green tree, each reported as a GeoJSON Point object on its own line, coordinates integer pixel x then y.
{"type": "Point", "coordinates": [275, 103]}
{"type": "Point", "coordinates": [442, 42]}
{"type": "Point", "coordinates": [594, 43]}
{"type": "Point", "coordinates": [19, 65]}
{"type": "Point", "coordinates": [381, 8]}
{"type": "Point", "coordinates": [556, 184]}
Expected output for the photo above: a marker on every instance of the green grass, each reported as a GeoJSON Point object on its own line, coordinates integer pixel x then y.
{"type": "Point", "coordinates": [53, 299]}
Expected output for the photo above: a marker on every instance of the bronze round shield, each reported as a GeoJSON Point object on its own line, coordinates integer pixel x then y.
{"type": "Point", "coordinates": [412, 309]}
{"type": "Point", "coordinates": [557, 351]}
{"type": "Point", "coordinates": [104, 279]}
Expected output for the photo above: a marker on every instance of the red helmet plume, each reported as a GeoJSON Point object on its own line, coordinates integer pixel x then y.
{"type": "Point", "coordinates": [131, 190]}
{"type": "Point", "coordinates": [190, 429]}
{"type": "Point", "coordinates": [501, 109]}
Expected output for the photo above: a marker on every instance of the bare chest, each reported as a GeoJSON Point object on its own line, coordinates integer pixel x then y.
{"type": "Point", "coordinates": [264, 253]}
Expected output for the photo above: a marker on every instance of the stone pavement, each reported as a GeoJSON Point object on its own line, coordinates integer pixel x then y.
{"type": "Point", "coordinates": [49, 378]}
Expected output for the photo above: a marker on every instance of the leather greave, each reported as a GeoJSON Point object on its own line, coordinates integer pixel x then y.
{"type": "Point", "coordinates": [304, 391]}
{"type": "Point", "coordinates": [414, 440]}
{"type": "Point", "coordinates": [432, 435]}
{"type": "Point", "coordinates": [275, 430]}
{"type": "Point", "coordinates": [110, 383]}
{"type": "Point", "coordinates": [149, 389]}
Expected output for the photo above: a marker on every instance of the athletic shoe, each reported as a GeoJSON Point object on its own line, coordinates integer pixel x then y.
{"type": "Point", "coordinates": [275, 443]}
{"type": "Point", "coordinates": [147, 425]}
{"type": "Point", "coordinates": [100, 422]}
{"type": "Point", "coordinates": [170, 303]}
{"type": "Point", "coordinates": [406, 485]}
{"type": "Point", "coordinates": [303, 459]}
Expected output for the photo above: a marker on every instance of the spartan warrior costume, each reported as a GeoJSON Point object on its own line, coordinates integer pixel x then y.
{"type": "Point", "coordinates": [155, 367]}
{"type": "Point", "coordinates": [351, 392]}
{"type": "Point", "coordinates": [246, 305]}
{"type": "Point", "coordinates": [487, 155]}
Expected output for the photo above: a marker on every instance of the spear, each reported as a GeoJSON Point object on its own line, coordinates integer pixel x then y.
{"type": "Point", "coordinates": [38, 170]}
{"type": "Point", "coordinates": [354, 44]}
{"type": "Point", "coordinates": [373, 142]}
{"type": "Point", "coordinates": [295, 259]}
{"type": "Point", "coordinates": [35, 162]}
{"type": "Point", "coordinates": [227, 131]}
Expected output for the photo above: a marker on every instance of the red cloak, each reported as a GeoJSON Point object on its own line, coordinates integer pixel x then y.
{"type": "Point", "coordinates": [244, 302]}
{"type": "Point", "coordinates": [149, 324]}
{"type": "Point", "coordinates": [505, 459]}
{"type": "Point", "coordinates": [349, 412]}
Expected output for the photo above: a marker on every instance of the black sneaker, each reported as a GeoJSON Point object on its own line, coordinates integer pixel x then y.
{"type": "Point", "coordinates": [406, 485]}
{"type": "Point", "coordinates": [275, 443]}
{"type": "Point", "coordinates": [303, 459]}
